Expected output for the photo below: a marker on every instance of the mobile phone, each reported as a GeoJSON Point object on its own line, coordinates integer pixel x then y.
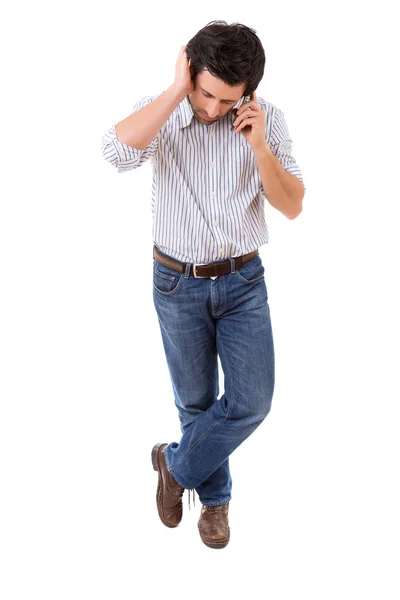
{"type": "Point", "coordinates": [234, 111]}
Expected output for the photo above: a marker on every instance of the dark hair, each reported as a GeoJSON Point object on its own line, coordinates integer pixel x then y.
{"type": "Point", "coordinates": [232, 53]}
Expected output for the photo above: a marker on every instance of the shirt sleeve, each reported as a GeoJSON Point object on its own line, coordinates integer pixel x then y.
{"type": "Point", "coordinates": [281, 145]}
{"type": "Point", "coordinates": [122, 156]}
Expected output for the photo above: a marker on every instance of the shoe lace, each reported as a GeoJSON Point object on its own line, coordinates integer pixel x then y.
{"type": "Point", "coordinates": [191, 490]}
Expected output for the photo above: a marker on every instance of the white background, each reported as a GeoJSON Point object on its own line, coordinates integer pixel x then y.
{"type": "Point", "coordinates": [85, 389]}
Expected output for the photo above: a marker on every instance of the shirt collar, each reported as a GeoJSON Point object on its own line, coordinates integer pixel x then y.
{"type": "Point", "coordinates": [186, 113]}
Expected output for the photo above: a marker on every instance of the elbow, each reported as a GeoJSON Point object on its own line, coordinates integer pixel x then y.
{"type": "Point", "coordinates": [296, 201]}
{"type": "Point", "coordinates": [295, 213]}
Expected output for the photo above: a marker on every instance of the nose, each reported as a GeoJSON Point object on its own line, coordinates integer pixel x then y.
{"type": "Point", "coordinates": [212, 111]}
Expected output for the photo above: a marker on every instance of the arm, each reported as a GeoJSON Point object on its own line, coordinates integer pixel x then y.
{"type": "Point", "coordinates": [131, 142]}
{"type": "Point", "coordinates": [281, 179]}
{"type": "Point", "coordinates": [283, 190]}
{"type": "Point", "coordinates": [141, 127]}
{"type": "Point", "coordinates": [134, 140]}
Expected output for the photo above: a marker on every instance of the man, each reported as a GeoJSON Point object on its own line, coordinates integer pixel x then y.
{"type": "Point", "coordinates": [217, 151]}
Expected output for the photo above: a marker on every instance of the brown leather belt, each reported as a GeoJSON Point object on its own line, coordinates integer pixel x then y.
{"type": "Point", "coordinates": [203, 269]}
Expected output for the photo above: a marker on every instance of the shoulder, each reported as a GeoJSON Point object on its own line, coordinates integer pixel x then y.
{"type": "Point", "coordinates": [268, 107]}
{"type": "Point", "coordinates": [147, 99]}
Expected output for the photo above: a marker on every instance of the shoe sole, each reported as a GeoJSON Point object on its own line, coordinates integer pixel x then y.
{"type": "Point", "coordinates": [155, 453]}
{"type": "Point", "coordinates": [220, 544]}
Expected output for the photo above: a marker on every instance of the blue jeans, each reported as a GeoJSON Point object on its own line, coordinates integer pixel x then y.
{"type": "Point", "coordinates": [201, 319]}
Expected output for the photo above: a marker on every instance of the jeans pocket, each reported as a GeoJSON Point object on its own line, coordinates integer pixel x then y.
{"type": "Point", "coordinates": [252, 270]}
{"type": "Point", "coordinates": [165, 280]}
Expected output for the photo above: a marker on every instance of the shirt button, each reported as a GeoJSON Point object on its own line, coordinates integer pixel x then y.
{"type": "Point", "coordinates": [211, 133]}
{"type": "Point", "coordinates": [213, 164]}
{"type": "Point", "coordinates": [221, 248]}
{"type": "Point", "coordinates": [216, 223]}
{"type": "Point", "coordinates": [213, 194]}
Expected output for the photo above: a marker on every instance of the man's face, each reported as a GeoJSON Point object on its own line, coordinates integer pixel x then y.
{"type": "Point", "coordinates": [213, 98]}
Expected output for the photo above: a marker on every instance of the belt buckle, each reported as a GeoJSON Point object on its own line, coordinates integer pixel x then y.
{"type": "Point", "coordinates": [194, 271]}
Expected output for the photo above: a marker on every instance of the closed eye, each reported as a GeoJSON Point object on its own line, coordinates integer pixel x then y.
{"type": "Point", "coordinates": [226, 102]}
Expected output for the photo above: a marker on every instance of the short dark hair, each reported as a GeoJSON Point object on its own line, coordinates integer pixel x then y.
{"type": "Point", "coordinates": [232, 53]}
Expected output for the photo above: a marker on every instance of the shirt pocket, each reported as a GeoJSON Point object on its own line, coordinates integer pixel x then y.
{"type": "Point", "coordinates": [239, 170]}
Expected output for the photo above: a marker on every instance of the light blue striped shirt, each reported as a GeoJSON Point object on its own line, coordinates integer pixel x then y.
{"type": "Point", "coordinates": [207, 199]}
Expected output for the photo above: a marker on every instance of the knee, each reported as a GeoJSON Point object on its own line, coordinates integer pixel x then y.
{"type": "Point", "coordinates": [265, 401]}
{"type": "Point", "coordinates": [265, 407]}
{"type": "Point", "coordinates": [255, 411]}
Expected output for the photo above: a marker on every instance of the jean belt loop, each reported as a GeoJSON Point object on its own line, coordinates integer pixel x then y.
{"type": "Point", "coordinates": [187, 270]}
{"type": "Point", "coordinates": [232, 264]}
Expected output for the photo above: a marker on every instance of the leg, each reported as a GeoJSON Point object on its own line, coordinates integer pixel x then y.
{"type": "Point", "coordinates": [239, 302]}
{"type": "Point", "coordinates": [189, 337]}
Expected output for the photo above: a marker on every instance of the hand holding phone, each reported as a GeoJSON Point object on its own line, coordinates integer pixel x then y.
{"type": "Point", "coordinates": [234, 112]}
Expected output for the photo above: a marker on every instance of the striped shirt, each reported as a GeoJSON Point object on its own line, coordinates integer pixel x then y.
{"type": "Point", "coordinates": [207, 199]}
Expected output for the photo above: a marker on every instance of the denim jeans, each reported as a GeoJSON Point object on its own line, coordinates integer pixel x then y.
{"type": "Point", "coordinates": [201, 319]}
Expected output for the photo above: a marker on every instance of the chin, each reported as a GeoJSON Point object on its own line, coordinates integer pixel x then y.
{"type": "Point", "coordinates": [207, 119]}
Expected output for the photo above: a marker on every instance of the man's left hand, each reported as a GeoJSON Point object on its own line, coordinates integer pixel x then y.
{"type": "Point", "coordinates": [250, 120]}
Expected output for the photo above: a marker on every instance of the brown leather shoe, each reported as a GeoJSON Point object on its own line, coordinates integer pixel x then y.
{"type": "Point", "coordinates": [213, 525]}
{"type": "Point", "coordinates": [169, 492]}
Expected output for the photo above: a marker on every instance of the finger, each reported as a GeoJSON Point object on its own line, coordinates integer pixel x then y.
{"type": "Point", "coordinates": [242, 126]}
{"type": "Point", "coordinates": [244, 116]}
{"type": "Point", "coordinates": [246, 105]}
{"type": "Point", "coordinates": [244, 123]}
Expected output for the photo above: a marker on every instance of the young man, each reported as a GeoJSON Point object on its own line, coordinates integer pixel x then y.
{"type": "Point", "coordinates": [210, 180]}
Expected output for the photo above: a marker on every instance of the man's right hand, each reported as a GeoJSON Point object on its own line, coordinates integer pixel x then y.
{"type": "Point", "coordinates": [183, 80]}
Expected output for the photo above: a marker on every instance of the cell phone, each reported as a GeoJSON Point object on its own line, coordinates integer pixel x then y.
{"type": "Point", "coordinates": [246, 99]}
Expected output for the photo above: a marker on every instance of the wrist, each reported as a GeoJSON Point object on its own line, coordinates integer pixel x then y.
{"type": "Point", "coordinates": [262, 147]}
{"type": "Point", "coordinates": [179, 93]}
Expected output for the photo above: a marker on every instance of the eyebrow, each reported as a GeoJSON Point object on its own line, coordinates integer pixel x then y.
{"type": "Point", "coordinates": [226, 99]}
